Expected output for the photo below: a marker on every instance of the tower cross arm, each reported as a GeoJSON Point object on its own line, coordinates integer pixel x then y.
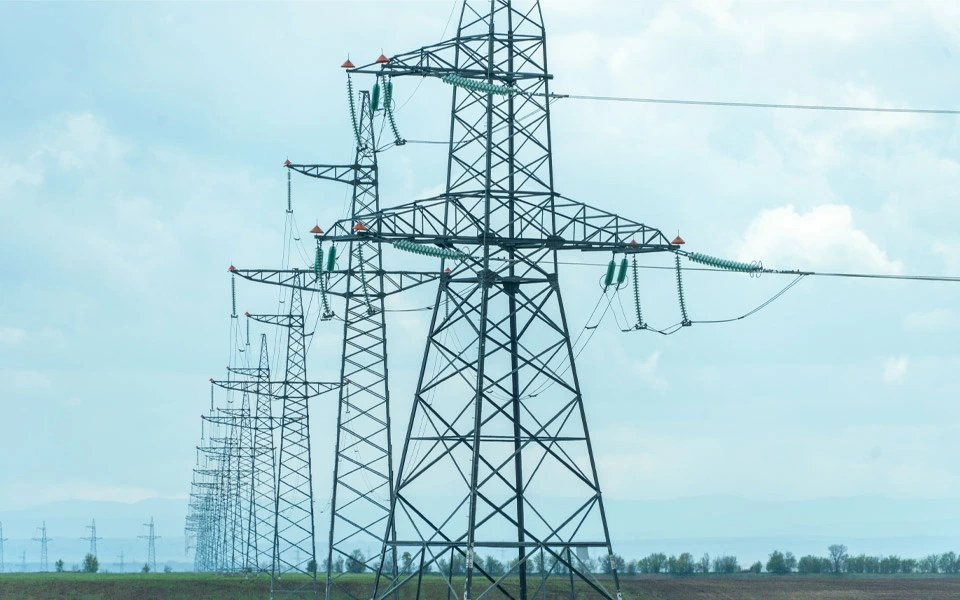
{"type": "Point", "coordinates": [394, 281]}
{"type": "Point", "coordinates": [536, 221]}
{"type": "Point", "coordinates": [349, 174]}
{"type": "Point", "coordinates": [440, 60]}
{"type": "Point", "coordinates": [304, 388]}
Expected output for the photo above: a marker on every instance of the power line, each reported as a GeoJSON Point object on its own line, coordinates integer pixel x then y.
{"type": "Point", "coordinates": [875, 109]}
{"type": "Point", "coordinates": [938, 278]}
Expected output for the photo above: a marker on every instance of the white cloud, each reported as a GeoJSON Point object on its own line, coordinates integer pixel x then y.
{"type": "Point", "coordinates": [82, 140]}
{"type": "Point", "coordinates": [23, 379]}
{"type": "Point", "coordinates": [932, 320]}
{"type": "Point", "coordinates": [823, 237]}
{"type": "Point", "coordinates": [12, 174]}
{"type": "Point", "coordinates": [12, 335]}
{"type": "Point", "coordinates": [646, 371]}
{"type": "Point", "coordinates": [895, 369]}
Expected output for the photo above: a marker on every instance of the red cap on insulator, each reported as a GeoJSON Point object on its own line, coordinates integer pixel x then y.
{"type": "Point", "coordinates": [316, 230]}
{"type": "Point", "coordinates": [286, 163]}
{"type": "Point", "coordinates": [382, 60]}
{"type": "Point", "coordinates": [232, 268]}
{"type": "Point", "coordinates": [228, 367]}
{"type": "Point", "coordinates": [247, 314]}
{"type": "Point", "coordinates": [447, 270]}
{"type": "Point", "coordinates": [211, 380]}
{"type": "Point", "coordinates": [677, 241]}
{"type": "Point", "coordinates": [359, 227]}
{"type": "Point", "coordinates": [633, 244]}
{"type": "Point", "coordinates": [347, 64]}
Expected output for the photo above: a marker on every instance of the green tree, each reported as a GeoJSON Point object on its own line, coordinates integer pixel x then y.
{"type": "Point", "coordinates": [406, 563]}
{"type": "Point", "coordinates": [948, 563]}
{"type": "Point", "coordinates": [790, 561]}
{"type": "Point", "coordinates": [169, 569]}
{"type": "Point", "coordinates": [145, 569]}
{"type": "Point", "coordinates": [703, 565]}
{"type": "Point", "coordinates": [632, 567]}
{"type": "Point", "coordinates": [756, 567]}
{"type": "Point", "coordinates": [681, 565]}
{"type": "Point", "coordinates": [617, 559]}
{"type": "Point", "coordinates": [493, 566]}
{"type": "Point", "coordinates": [890, 564]}
{"type": "Point", "coordinates": [908, 565]}
{"type": "Point", "coordinates": [726, 564]}
{"type": "Point", "coordinates": [838, 556]}
{"type": "Point", "coordinates": [777, 563]}
{"type": "Point", "coordinates": [90, 564]}
{"type": "Point", "coordinates": [58, 566]}
{"type": "Point", "coordinates": [655, 563]}
{"type": "Point", "coordinates": [810, 565]}
{"type": "Point", "coordinates": [312, 566]}
{"type": "Point", "coordinates": [356, 562]}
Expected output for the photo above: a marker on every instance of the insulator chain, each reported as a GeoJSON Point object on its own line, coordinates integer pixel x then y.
{"type": "Point", "coordinates": [414, 247]}
{"type": "Point", "coordinates": [636, 293]}
{"type": "Point", "coordinates": [727, 265]}
{"type": "Point", "coordinates": [353, 111]}
{"type": "Point", "coordinates": [388, 108]}
{"type": "Point", "coordinates": [363, 278]}
{"type": "Point", "coordinates": [321, 280]}
{"type": "Point", "coordinates": [683, 303]}
{"type": "Point", "coordinates": [478, 86]}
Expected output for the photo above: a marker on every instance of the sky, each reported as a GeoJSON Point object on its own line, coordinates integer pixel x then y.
{"type": "Point", "coordinates": [141, 154]}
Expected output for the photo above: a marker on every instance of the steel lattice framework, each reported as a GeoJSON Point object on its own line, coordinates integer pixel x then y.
{"type": "Point", "coordinates": [363, 467]}
{"type": "Point", "coordinates": [498, 423]}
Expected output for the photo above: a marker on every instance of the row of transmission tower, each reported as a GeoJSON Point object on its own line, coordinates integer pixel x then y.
{"type": "Point", "coordinates": [497, 455]}
{"type": "Point", "coordinates": [44, 541]}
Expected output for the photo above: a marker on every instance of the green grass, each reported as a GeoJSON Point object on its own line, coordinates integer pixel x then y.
{"type": "Point", "coordinates": [203, 586]}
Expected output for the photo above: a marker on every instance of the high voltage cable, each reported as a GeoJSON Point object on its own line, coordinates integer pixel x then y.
{"type": "Point", "coordinates": [947, 279]}
{"type": "Point", "coordinates": [875, 109]}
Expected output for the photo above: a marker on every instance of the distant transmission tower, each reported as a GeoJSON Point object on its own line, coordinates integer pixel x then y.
{"type": "Point", "coordinates": [43, 539]}
{"type": "Point", "coordinates": [93, 537]}
{"type": "Point", "coordinates": [151, 545]}
{"type": "Point", "coordinates": [23, 561]}
{"type": "Point", "coordinates": [2, 540]}
{"type": "Point", "coordinates": [121, 561]}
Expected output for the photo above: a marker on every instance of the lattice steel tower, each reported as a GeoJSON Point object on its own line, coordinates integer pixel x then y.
{"type": "Point", "coordinates": [151, 545]}
{"type": "Point", "coordinates": [363, 466]}
{"type": "Point", "coordinates": [44, 540]}
{"type": "Point", "coordinates": [93, 537]}
{"type": "Point", "coordinates": [497, 453]}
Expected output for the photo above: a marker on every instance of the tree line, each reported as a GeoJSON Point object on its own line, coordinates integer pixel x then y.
{"type": "Point", "coordinates": [837, 561]}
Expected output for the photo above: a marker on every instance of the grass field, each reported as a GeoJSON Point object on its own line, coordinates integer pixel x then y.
{"type": "Point", "coordinates": [194, 586]}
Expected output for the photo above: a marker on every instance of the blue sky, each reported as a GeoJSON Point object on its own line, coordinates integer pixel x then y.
{"type": "Point", "coordinates": [141, 155]}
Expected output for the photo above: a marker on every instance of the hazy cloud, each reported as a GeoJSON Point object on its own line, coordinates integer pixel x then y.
{"type": "Point", "coordinates": [825, 236]}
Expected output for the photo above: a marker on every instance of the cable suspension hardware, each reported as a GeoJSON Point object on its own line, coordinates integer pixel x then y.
{"type": "Point", "coordinates": [728, 265]}
{"type": "Point", "coordinates": [636, 293]}
{"type": "Point", "coordinates": [414, 247]}
{"type": "Point", "coordinates": [478, 86]}
{"type": "Point", "coordinates": [353, 111]}
{"type": "Point", "coordinates": [388, 109]}
{"type": "Point", "coordinates": [321, 281]}
{"type": "Point", "coordinates": [683, 303]}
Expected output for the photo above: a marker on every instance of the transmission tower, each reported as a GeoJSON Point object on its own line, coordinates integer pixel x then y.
{"type": "Point", "coordinates": [363, 466]}
{"type": "Point", "coordinates": [121, 561]}
{"type": "Point", "coordinates": [2, 540]}
{"type": "Point", "coordinates": [151, 545]}
{"type": "Point", "coordinates": [23, 561]}
{"type": "Point", "coordinates": [44, 540]}
{"type": "Point", "coordinates": [93, 537]}
{"type": "Point", "coordinates": [498, 422]}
